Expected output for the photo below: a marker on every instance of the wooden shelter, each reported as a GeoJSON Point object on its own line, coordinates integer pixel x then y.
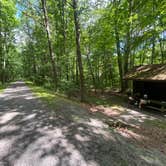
{"type": "Point", "coordinates": [149, 80]}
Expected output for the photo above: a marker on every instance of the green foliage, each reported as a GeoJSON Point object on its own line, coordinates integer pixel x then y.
{"type": "Point", "coordinates": [139, 25]}
{"type": "Point", "coordinates": [70, 89]}
{"type": "Point", "coordinates": [9, 59]}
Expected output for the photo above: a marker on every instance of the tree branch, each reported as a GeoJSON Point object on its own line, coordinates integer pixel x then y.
{"type": "Point", "coordinates": [33, 17]}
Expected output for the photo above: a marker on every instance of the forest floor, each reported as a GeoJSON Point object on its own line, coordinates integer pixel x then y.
{"type": "Point", "coordinates": [42, 128]}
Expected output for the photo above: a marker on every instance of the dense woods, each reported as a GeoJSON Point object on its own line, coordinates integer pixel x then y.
{"type": "Point", "coordinates": [80, 45]}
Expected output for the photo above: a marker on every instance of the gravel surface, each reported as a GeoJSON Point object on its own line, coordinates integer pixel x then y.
{"type": "Point", "coordinates": [31, 134]}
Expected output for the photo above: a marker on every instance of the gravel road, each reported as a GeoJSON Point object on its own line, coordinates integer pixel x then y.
{"type": "Point", "coordinates": [31, 134]}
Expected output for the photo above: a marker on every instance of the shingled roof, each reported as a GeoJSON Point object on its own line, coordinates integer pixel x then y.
{"type": "Point", "coordinates": [147, 73]}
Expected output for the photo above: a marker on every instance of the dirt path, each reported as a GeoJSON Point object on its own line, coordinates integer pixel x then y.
{"type": "Point", "coordinates": [33, 135]}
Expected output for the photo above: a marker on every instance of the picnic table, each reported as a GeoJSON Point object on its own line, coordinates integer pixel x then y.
{"type": "Point", "coordinates": [157, 105]}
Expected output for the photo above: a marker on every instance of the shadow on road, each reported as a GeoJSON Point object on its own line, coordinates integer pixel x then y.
{"type": "Point", "coordinates": [33, 134]}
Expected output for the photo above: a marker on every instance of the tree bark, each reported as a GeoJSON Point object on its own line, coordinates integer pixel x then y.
{"type": "Point", "coordinates": [119, 58]}
{"type": "Point", "coordinates": [162, 52]}
{"type": "Point", "coordinates": [118, 48]}
{"type": "Point", "coordinates": [1, 59]}
{"type": "Point", "coordinates": [78, 49]}
{"type": "Point", "coordinates": [128, 43]}
{"type": "Point", "coordinates": [51, 54]}
{"type": "Point", "coordinates": [91, 70]}
{"type": "Point", "coordinates": [153, 36]}
{"type": "Point", "coordinates": [153, 49]}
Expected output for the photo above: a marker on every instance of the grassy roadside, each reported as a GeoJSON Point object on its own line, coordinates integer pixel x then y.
{"type": "Point", "coordinates": [50, 97]}
{"type": "Point", "coordinates": [3, 87]}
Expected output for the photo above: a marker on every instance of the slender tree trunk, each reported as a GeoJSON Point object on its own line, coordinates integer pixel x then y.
{"type": "Point", "coordinates": [31, 50]}
{"type": "Point", "coordinates": [161, 43]}
{"type": "Point", "coordinates": [34, 65]}
{"type": "Point", "coordinates": [162, 52]}
{"type": "Point", "coordinates": [153, 36]}
{"type": "Point", "coordinates": [119, 57]}
{"type": "Point", "coordinates": [1, 48]}
{"type": "Point", "coordinates": [127, 52]}
{"type": "Point", "coordinates": [64, 26]}
{"type": "Point", "coordinates": [77, 72]}
{"type": "Point", "coordinates": [128, 44]}
{"type": "Point", "coordinates": [51, 54]}
{"type": "Point", "coordinates": [79, 58]}
{"type": "Point", "coordinates": [117, 38]}
{"type": "Point", "coordinates": [153, 49]}
{"type": "Point", "coordinates": [111, 78]}
{"type": "Point", "coordinates": [91, 71]}
{"type": "Point", "coordinates": [1, 59]}
{"type": "Point", "coordinates": [5, 54]}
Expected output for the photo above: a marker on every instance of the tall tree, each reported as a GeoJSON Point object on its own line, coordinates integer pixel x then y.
{"type": "Point", "coordinates": [51, 53]}
{"type": "Point", "coordinates": [78, 49]}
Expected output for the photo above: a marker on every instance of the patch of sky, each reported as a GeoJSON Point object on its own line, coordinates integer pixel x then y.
{"type": "Point", "coordinates": [20, 9]}
{"type": "Point", "coordinates": [163, 35]}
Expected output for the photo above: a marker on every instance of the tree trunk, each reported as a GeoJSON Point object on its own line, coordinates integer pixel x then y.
{"type": "Point", "coordinates": [153, 36]}
{"type": "Point", "coordinates": [161, 43]}
{"type": "Point", "coordinates": [91, 70]}
{"type": "Point", "coordinates": [117, 38]}
{"type": "Point", "coordinates": [128, 43]}
{"type": "Point", "coordinates": [153, 49]}
{"type": "Point", "coordinates": [51, 54]}
{"type": "Point", "coordinates": [79, 58]}
{"type": "Point", "coordinates": [1, 59]}
{"type": "Point", "coordinates": [1, 48]}
{"type": "Point", "coordinates": [119, 57]}
{"type": "Point", "coordinates": [118, 47]}
{"type": "Point", "coordinates": [162, 52]}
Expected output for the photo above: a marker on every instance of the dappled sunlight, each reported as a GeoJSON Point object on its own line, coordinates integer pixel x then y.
{"type": "Point", "coordinates": [63, 134]}
{"type": "Point", "coordinates": [135, 117]}
{"type": "Point", "coordinates": [136, 125]}
{"type": "Point", "coordinates": [9, 128]}
{"type": "Point", "coordinates": [130, 116]}
{"type": "Point", "coordinates": [29, 97]}
{"type": "Point", "coordinates": [5, 146]}
{"type": "Point", "coordinates": [87, 71]}
{"type": "Point", "coordinates": [29, 117]}
{"type": "Point", "coordinates": [42, 141]}
{"type": "Point", "coordinates": [96, 123]}
{"type": "Point", "coordinates": [8, 116]}
{"type": "Point", "coordinates": [129, 134]}
{"type": "Point", "coordinates": [106, 110]}
{"type": "Point", "coordinates": [9, 97]}
{"type": "Point", "coordinates": [82, 138]}
{"type": "Point", "coordinates": [145, 136]}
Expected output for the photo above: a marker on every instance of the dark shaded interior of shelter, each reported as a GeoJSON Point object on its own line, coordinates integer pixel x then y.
{"type": "Point", "coordinates": [154, 90]}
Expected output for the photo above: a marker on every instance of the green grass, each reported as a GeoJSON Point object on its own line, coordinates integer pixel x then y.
{"type": "Point", "coordinates": [52, 98]}
{"type": "Point", "coordinates": [2, 87]}
{"type": "Point", "coordinates": [45, 94]}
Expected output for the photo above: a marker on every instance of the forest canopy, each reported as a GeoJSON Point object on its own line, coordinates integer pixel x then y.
{"type": "Point", "coordinates": [80, 45]}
